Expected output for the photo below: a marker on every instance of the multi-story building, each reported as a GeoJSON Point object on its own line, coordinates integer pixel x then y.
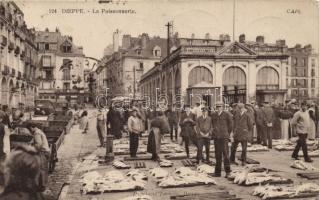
{"type": "Point", "coordinates": [125, 66]}
{"type": "Point", "coordinates": [213, 70]}
{"type": "Point", "coordinates": [18, 58]}
{"type": "Point", "coordinates": [303, 73]}
{"type": "Point", "coordinates": [62, 66]}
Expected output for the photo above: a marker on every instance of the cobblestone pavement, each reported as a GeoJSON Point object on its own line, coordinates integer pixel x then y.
{"type": "Point", "coordinates": [75, 146]}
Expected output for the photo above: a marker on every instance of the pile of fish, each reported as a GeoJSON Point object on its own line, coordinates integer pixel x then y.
{"type": "Point", "coordinates": [275, 192]}
{"type": "Point", "coordinates": [171, 148]}
{"type": "Point", "coordinates": [283, 145]}
{"type": "Point", "coordinates": [255, 175]}
{"type": "Point", "coordinates": [206, 169]}
{"type": "Point", "coordinates": [165, 163]}
{"type": "Point", "coordinates": [183, 177]}
{"type": "Point", "coordinates": [158, 173]}
{"type": "Point", "coordinates": [120, 165]}
{"type": "Point", "coordinates": [299, 164]}
{"type": "Point", "coordinates": [254, 148]}
{"type": "Point", "coordinates": [96, 183]}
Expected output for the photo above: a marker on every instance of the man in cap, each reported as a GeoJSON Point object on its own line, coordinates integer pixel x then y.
{"type": "Point", "coordinates": [242, 127]}
{"type": "Point", "coordinates": [100, 126]}
{"type": "Point", "coordinates": [135, 128]}
{"type": "Point", "coordinates": [222, 127]}
{"type": "Point", "coordinates": [268, 118]}
{"type": "Point", "coordinates": [187, 123]}
{"type": "Point", "coordinates": [301, 122]}
{"type": "Point", "coordinates": [2, 133]}
{"type": "Point", "coordinates": [203, 130]}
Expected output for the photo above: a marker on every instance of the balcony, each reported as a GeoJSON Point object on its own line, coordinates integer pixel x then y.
{"type": "Point", "coordinates": [268, 87]}
{"type": "Point", "coordinates": [6, 70]}
{"type": "Point", "coordinates": [4, 41]}
{"type": "Point", "coordinates": [11, 46]}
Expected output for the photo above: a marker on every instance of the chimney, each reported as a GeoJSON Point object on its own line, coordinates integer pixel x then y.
{"type": "Point", "coordinates": [281, 42]}
{"type": "Point", "coordinates": [193, 36]}
{"type": "Point", "coordinates": [242, 38]}
{"type": "Point", "coordinates": [207, 36]}
{"type": "Point", "coordinates": [145, 40]}
{"type": "Point", "coordinates": [260, 39]}
{"type": "Point", "coordinates": [126, 41]}
{"type": "Point", "coordinates": [116, 40]}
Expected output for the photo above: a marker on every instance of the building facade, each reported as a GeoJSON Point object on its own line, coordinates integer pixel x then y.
{"type": "Point", "coordinates": [214, 70]}
{"type": "Point", "coordinates": [18, 58]}
{"type": "Point", "coordinates": [121, 71]}
{"type": "Point", "coordinates": [62, 66]}
{"type": "Point", "coordinates": [303, 73]}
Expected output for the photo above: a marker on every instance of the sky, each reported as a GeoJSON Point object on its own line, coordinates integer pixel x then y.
{"type": "Point", "coordinates": [296, 21]}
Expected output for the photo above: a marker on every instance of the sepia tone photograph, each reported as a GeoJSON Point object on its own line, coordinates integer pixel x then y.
{"type": "Point", "coordinates": [159, 99]}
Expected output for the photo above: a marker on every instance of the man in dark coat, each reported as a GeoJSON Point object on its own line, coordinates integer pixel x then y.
{"type": "Point", "coordinates": [6, 118]}
{"type": "Point", "coordinates": [222, 127]}
{"type": "Point", "coordinates": [114, 120]}
{"type": "Point", "coordinates": [242, 127]}
{"type": "Point", "coordinates": [172, 116]}
{"type": "Point", "coordinates": [268, 120]}
{"type": "Point", "coordinates": [259, 124]}
{"type": "Point", "coordinates": [187, 123]}
{"type": "Point", "coordinates": [204, 130]}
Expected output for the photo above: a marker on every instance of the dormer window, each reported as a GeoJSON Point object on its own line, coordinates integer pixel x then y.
{"type": "Point", "coordinates": [66, 47]}
{"type": "Point", "coordinates": [157, 51]}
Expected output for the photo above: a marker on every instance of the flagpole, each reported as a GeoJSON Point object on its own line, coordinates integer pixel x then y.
{"type": "Point", "coordinates": [234, 7]}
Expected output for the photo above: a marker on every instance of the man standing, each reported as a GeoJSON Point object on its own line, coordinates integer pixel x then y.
{"type": "Point", "coordinates": [242, 127]}
{"type": "Point", "coordinates": [301, 122]}
{"type": "Point", "coordinates": [100, 126]}
{"type": "Point", "coordinates": [135, 128]}
{"type": "Point", "coordinates": [2, 133]}
{"type": "Point", "coordinates": [187, 123]}
{"type": "Point", "coordinates": [222, 127]}
{"type": "Point", "coordinates": [268, 118]}
{"type": "Point", "coordinates": [203, 129]}
{"type": "Point", "coordinates": [172, 116]}
{"type": "Point", "coordinates": [197, 111]}
{"type": "Point", "coordinates": [6, 119]}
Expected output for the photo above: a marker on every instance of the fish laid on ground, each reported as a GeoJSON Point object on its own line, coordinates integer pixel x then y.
{"type": "Point", "coordinates": [185, 171]}
{"type": "Point", "coordinates": [206, 169]}
{"type": "Point", "coordinates": [159, 173]}
{"type": "Point", "coordinates": [137, 175]}
{"type": "Point", "coordinates": [165, 163]}
{"type": "Point", "coordinates": [307, 188]}
{"type": "Point", "coordinates": [120, 165]}
{"type": "Point", "coordinates": [299, 164]}
{"type": "Point", "coordinates": [314, 153]}
{"type": "Point", "coordinates": [257, 178]}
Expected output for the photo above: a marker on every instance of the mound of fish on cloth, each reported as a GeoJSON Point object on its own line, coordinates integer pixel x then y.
{"type": "Point", "coordinates": [118, 164]}
{"type": "Point", "coordinates": [254, 175]}
{"type": "Point", "coordinates": [299, 164]}
{"type": "Point", "coordinates": [95, 183]}
{"type": "Point", "coordinates": [181, 177]}
{"type": "Point", "coordinates": [289, 145]}
{"type": "Point", "coordinates": [275, 191]}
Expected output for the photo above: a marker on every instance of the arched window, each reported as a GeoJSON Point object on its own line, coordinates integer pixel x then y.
{"type": "Point", "coordinates": [267, 79]}
{"type": "Point", "coordinates": [199, 74]}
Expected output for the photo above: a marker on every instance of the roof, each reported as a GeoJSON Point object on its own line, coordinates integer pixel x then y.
{"type": "Point", "coordinates": [46, 36]}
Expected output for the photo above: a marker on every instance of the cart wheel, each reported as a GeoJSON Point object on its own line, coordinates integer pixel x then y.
{"type": "Point", "coordinates": [53, 158]}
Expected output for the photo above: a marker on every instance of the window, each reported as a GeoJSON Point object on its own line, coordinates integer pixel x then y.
{"type": "Point", "coordinates": [48, 75]}
{"type": "Point", "coordinates": [66, 47]}
{"type": "Point", "coordinates": [66, 74]}
{"type": "Point", "coordinates": [66, 86]}
{"type": "Point", "coordinates": [287, 83]}
{"type": "Point", "coordinates": [141, 66]}
{"type": "Point", "coordinates": [287, 71]}
{"type": "Point", "coordinates": [46, 46]}
{"type": "Point", "coordinates": [313, 62]}
{"type": "Point", "coordinates": [138, 51]}
{"type": "Point", "coordinates": [157, 51]}
{"type": "Point", "coordinates": [313, 72]}
{"type": "Point", "coordinates": [293, 82]}
{"type": "Point", "coordinates": [312, 92]}
{"type": "Point", "coordinates": [294, 61]}
{"type": "Point", "coordinates": [46, 61]}
{"type": "Point", "coordinates": [40, 46]}
{"type": "Point", "coordinates": [313, 83]}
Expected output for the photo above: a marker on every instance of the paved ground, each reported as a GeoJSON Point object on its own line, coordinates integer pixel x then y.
{"type": "Point", "coordinates": [75, 146]}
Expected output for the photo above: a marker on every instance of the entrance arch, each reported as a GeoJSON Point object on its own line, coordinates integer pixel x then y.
{"type": "Point", "coordinates": [267, 79]}
{"type": "Point", "coordinates": [199, 74]}
{"type": "Point", "coordinates": [234, 85]}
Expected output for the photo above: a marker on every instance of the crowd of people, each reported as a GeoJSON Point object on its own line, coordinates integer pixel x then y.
{"type": "Point", "coordinates": [238, 123]}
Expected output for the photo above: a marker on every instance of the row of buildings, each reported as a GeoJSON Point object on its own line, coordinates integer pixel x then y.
{"type": "Point", "coordinates": [36, 64]}
{"type": "Point", "coordinates": [194, 69]}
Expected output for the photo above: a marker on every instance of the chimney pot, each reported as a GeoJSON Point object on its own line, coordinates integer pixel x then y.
{"type": "Point", "coordinates": [207, 36]}
{"type": "Point", "coordinates": [242, 38]}
{"type": "Point", "coordinates": [193, 36]}
{"type": "Point", "coordinates": [260, 39]}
